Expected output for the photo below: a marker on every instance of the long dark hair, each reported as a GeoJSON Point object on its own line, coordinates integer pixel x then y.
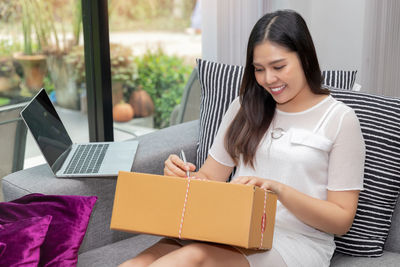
{"type": "Point", "coordinates": [287, 29]}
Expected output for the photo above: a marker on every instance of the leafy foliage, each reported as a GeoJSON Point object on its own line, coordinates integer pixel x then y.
{"type": "Point", "coordinates": [164, 78]}
{"type": "Point", "coordinates": [123, 66]}
{"type": "Point", "coordinates": [4, 101]}
{"type": "Point", "coordinates": [150, 14]}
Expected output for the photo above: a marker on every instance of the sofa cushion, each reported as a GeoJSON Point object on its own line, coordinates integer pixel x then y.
{"type": "Point", "coordinates": [22, 240]}
{"type": "Point", "coordinates": [2, 248]}
{"type": "Point", "coordinates": [380, 124]}
{"type": "Point", "coordinates": [343, 79]}
{"type": "Point", "coordinates": [388, 259]}
{"type": "Point", "coordinates": [220, 85]}
{"type": "Point", "coordinates": [70, 217]}
{"type": "Point", "coordinates": [118, 252]}
{"type": "Point", "coordinates": [393, 241]}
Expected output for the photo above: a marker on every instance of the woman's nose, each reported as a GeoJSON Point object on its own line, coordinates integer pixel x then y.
{"type": "Point", "coordinates": [270, 77]}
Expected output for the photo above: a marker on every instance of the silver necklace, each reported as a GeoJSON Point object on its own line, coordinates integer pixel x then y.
{"type": "Point", "coordinates": [277, 133]}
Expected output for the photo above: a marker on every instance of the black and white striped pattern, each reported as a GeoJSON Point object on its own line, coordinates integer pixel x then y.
{"type": "Point", "coordinates": [380, 124]}
{"type": "Point", "coordinates": [220, 85]}
{"type": "Point", "coordinates": [339, 78]}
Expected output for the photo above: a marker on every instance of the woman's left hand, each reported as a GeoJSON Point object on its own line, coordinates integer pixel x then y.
{"type": "Point", "coordinates": [274, 186]}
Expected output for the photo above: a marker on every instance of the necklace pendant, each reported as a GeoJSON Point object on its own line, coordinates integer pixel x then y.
{"type": "Point", "coordinates": [277, 133]}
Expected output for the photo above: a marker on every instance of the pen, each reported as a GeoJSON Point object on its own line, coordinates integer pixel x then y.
{"type": "Point", "coordinates": [183, 157]}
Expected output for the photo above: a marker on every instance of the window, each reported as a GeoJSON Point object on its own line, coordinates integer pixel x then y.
{"type": "Point", "coordinates": [40, 46]}
{"type": "Point", "coordinates": [153, 47]}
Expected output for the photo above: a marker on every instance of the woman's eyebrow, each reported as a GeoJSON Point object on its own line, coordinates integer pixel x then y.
{"type": "Point", "coordinates": [276, 61]}
{"type": "Point", "coordinates": [270, 63]}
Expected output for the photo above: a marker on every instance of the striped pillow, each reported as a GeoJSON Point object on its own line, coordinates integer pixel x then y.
{"type": "Point", "coordinates": [339, 78]}
{"type": "Point", "coordinates": [219, 87]}
{"type": "Point", "coordinates": [380, 124]}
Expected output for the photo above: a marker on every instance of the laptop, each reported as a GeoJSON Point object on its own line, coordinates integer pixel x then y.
{"type": "Point", "coordinates": [73, 160]}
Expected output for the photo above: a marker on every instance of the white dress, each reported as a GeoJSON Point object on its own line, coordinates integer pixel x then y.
{"type": "Point", "coordinates": [320, 149]}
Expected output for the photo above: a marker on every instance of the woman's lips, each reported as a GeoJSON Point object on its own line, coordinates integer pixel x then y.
{"type": "Point", "coordinates": [277, 90]}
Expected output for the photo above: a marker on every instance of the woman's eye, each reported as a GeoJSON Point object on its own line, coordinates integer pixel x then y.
{"type": "Point", "coordinates": [257, 69]}
{"type": "Point", "coordinates": [279, 67]}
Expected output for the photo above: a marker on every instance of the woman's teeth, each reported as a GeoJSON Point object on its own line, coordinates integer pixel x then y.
{"type": "Point", "coordinates": [277, 89]}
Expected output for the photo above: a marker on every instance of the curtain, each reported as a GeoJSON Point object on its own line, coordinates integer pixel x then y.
{"type": "Point", "coordinates": [380, 71]}
{"type": "Point", "coordinates": [226, 28]}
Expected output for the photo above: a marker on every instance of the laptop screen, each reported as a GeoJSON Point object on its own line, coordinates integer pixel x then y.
{"type": "Point", "coordinates": [47, 129]}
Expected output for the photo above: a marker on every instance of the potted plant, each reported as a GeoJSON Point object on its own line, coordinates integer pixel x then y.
{"type": "Point", "coordinates": [163, 77]}
{"type": "Point", "coordinates": [60, 69]}
{"type": "Point", "coordinates": [9, 79]}
{"type": "Point", "coordinates": [33, 62]}
{"type": "Point", "coordinates": [123, 69]}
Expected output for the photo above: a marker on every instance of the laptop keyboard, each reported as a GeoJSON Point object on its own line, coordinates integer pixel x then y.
{"type": "Point", "coordinates": [87, 159]}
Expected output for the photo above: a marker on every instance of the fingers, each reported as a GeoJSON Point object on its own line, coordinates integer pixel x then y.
{"type": "Point", "coordinates": [245, 180]}
{"type": "Point", "coordinates": [174, 166]}
{"type": "Point", "coordinates": [250, 180]}
{"type": "Point", "coordinates": [192, 167]}
{"type": "Point", "coordinates": [241, 180]}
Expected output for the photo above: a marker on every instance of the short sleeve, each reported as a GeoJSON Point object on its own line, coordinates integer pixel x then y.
{"type": "Point", "coordinates": [346, 160]}
{"type": "Point", "coordinates": [218, 150]}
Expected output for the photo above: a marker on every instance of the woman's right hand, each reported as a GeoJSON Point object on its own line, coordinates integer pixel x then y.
{"type": "Point", "coordinates": [174, 166]}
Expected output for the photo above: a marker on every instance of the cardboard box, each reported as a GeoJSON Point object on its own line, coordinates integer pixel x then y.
{"type": "Point", "coordinates": [194, 209]}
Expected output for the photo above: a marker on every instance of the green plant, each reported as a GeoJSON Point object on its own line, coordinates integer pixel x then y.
{"type": "Point", "coordinates": [48, 84]}
{"type": "Point", "coordinates": [36, 20]}
{"type": "Point", "coordinates": [6, 67]}
{"type": "Point", "coordinates": [163, 77]}
{"type": "Point", "coordinates": [142, 15]}
{"type": "Point", "coordinates": [4, 101]}
{"type": "Point", "coordinates": [76, 58]}
{"type": "Point", "coordinates": [8, 47]}
{"type": "Point", "coordinates": [46, 20]}
{"type": "Point", "coordinates": [123, 66]}
{"type": "Point", "coordinates": [8, 75]}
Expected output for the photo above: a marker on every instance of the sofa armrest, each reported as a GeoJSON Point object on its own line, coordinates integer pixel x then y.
{"type": "Point", "coordinates": [153, 150]}
{"type": "Point", "coordinates": [393, 241]}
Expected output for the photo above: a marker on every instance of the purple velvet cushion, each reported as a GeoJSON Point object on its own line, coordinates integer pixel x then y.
{"type": "Point", "coordinates": [22, 241]}
{"type": "Point", "coordinates": [68, 227]}
{"type": "Point", "coordinates": [2, 248]}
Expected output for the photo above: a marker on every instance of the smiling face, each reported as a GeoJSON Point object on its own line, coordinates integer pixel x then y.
{"type": "Point", "coordinates": [279, 71]}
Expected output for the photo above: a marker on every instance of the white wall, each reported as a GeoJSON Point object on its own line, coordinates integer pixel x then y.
{"type": "Point", "coordinates": [337, 28]}
{"type": "Point", "coordinates": [209, 37]}
{"type": "Point", "coordinates": [226, 28]}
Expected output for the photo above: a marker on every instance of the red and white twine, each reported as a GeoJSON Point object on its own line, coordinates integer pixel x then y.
{"type": "Point", "coordinates": [184, 206]}
{"type": "Point", "coordinates": [263, 219]}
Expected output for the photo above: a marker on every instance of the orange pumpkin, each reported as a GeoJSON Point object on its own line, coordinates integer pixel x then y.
{"type": "Point", "coordinates": [123, 112]}
{"type": "Point", "coordinates": [141, 102]}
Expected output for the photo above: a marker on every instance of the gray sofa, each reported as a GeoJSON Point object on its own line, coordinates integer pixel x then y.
{"type": "Point", "coordinates": [104, 247]}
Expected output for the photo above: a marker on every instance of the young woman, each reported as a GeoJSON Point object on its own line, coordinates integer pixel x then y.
{"type": "Point", "coordinates": [284, 133]}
